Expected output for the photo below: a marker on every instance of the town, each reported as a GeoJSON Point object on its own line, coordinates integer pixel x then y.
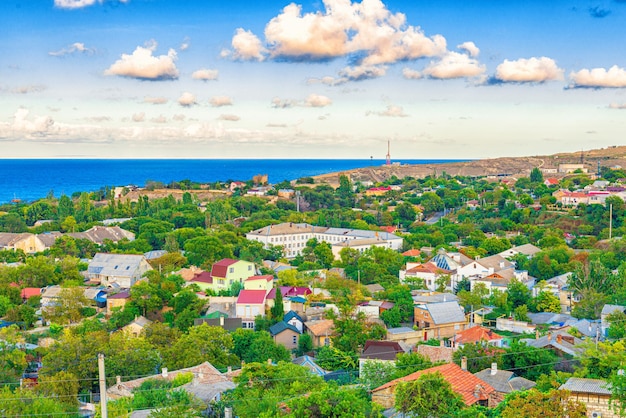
{"type": "Point", "coordinates": [483, 296]}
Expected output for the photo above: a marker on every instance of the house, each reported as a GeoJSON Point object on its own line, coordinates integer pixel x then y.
{"type": "Point", "coordinates": [558, 341]}
{"type": "Point", "coordinates": [265, 282]}
{"type": "Point", "coordinates": [219, 319]}
{"type": "Point", "coordinates": [203, 280]}
{"type": "Point", "coordinates": [292, 318]}
{"type": "Point", "coordinates": [439, 320]}
{"type": "Point", "coordinates": [137, 326]}
{"type": "Point", "coordinates": [208, 383]}
{"type": "Point", "coordinates": [412, 253]}
{"type": "Point", "coordinates": [558, 286]}
{"type": "Point", "coordinates": [117, 300]}
{"type": "Point", "coordinates": [51, 294]}
{"type": "Point", "coordinates": [27, 242]}
{"type": "Point", "coordinates": [594, 393]}
{"type": "Point", "coordinates": [606, 311]}
{"type": "Point", "coordinates": [188, 273]}
{"type": "Point", "coordinates": [504, 381]}
{"type": "Point", "coordinates": [250, 303]}
{"type": "Point", "coordinates": [294, 236]}
{"type": "Point", "coordinates": [227, 271]}
{"type": "Point", "coordinates": [551, 181]}
{"type": "Point", "coordinates": [100, 234]}
{"type": "Point", "coordinates": [378, 191]}
{"type": "Point", "coordinates": [478, 334]}
{"type": "Point", "coordinates": [528, 250]}
{"type": "Point", "coordinates": [421, 296]}
{"type": "Point", "coordinates": [404, 335]}
{"type": "Point", "coordinates": [120, 270]}
{"type": "Point", "coordinates": [294, 297]}
{"type": "Point", "coordinates": [320, 331]}
{"type": "Point", "coordinates": [360, 244]}
{"type": "Point", "coordinates": [29, 292]}
{"type": "Point", "coordinates": [285, 334]}
{"type": "Point", "coordinates": [436, 354]}
{"type": "Point", "coordinates": [472, 389]}
{"type": "Point", "coordinates": [428, 272]}
{"type": "Point", "coordinates": [381, 352]}
{"type": "Point", "coordinates": [309, 363]}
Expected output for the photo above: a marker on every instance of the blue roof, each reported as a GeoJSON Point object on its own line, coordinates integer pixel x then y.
{"type": "Point", "coordinates": [282, 326]}
{"type": "Point", "coordinates": [292, 314]}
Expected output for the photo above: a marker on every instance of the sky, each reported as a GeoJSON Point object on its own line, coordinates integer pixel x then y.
{"type": "Point", "coordinates": [450, 79]}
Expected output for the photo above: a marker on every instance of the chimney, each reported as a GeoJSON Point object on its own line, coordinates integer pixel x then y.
{"type": "Point", "coordinates": [229, 369]}
{"type": "Point", "coordinates": [559, 338]}
{"type": "Point", "coordinates": [269, 361]}
{"type": "Point", "coordinates": [464, 363]}
{"type": "Point", "coordinates": [494, 368]}
{"type": "Point", "coordinates": [118, 380]}
{"type": "Point", "coordinates": [221, 321]}
{"type": "Point", "coordinates": [536, 334]}
{"type": "Point", "coordinates": [549, 336]}
{"type": "Point", "coordinates": [164, 372]}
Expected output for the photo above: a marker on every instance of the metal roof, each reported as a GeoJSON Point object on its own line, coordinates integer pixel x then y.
{"type": "Point", "coordinates": [581, 385]}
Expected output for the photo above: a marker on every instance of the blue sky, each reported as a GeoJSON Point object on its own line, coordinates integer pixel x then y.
{"type": "Point", "coordinates": [323, 79]}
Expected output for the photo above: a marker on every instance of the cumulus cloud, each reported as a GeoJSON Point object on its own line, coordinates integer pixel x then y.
{"type": "Point", "coordinates": [282, 104]}
{"type": "Point", "coordinates": [184, 45]}
{"type": "Point", "coordinates": [391, 111]}
{"type": "Point", "coordinates": [187, 99]}
{"type": "Point", "coordinates": [614, 77]}
{"type": "Point", "coordinates": [246, 46]}
{"type": "Point", "coordinates": [219, 101]}
{"type": "Point", "coordinates": [365, 31]}
{"type": "Point", "coordinates": [531, 70]}
{"type": "Point", "coordinates": [470, 48]}
{"type": "Point", "coordinates": [139, 117]}
{"type": "Point", "coordinates": [159, 119]}
{"type": "Point", "coordinates": [75, 48]}
{"type": "Point", "coordinates": [233, 118]}
{"type": "Point", "coordinates": [155, 100]}
{"type": "Point", "coordinates": [22, 122]}
{"type": "Point", "coordinates": [454, 65]}
{"type": "Point", "coordinates": [79, 4]}
{"type": "Point", "coordinates": [141, 64]}
{"type": "Point", "coordinates": [316, 100]}
{"type": "Point", "coordinates": [411, 74]}
{"type": "Point", "coordinates": [205, 74]}
{"type": "Point", "coordinates": [361, 72]}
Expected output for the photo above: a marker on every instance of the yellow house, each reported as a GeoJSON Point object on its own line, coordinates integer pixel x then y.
{"type": "Point", "coordinates": [320, 331]}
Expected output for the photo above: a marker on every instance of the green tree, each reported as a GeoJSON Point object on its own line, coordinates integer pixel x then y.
{"type": "Point", "coordinates": [278, 310]}
{"type": "Point", "coordinates": [202, 343]}
{"type": "Point", "coordinates": [305, 344]}
{"type": "Point", "coordinates": [69, 306]}
{"type": "Point", "coordinates": [62, 386]}
{"type": "Point", "coordinates": [329, 401]}
{"type": "Point", "coordinates": [429, 396]}
{"type": "Point", "coordinates": [617, 324]}
{"type": "Point", "coordinates": [536, 176]}
{"type": "Point", "coordinates": [534, 404]}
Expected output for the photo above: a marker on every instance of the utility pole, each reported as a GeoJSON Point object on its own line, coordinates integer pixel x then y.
{"type": "Point", "coordinates": [103, 386]}
{"type": "Point", "coordinates": [610, 220]}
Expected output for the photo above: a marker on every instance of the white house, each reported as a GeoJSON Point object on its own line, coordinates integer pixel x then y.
{"type": "Point", "coordinates": [121, 270]}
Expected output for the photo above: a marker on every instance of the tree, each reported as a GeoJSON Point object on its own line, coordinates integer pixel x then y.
{"type": "Point", "coordinates": [376, 373]}
{"type": "Point", "coordinates": [329, 401]}
{"type": "Point", "coordinates": [536, 176]}
{"type": "Point", "coordinates": [69, 305]}
{"type": "Point", "coordinates": [528, 362]}
{"type": "Point", "coordinates": [617, 321]}
{"type": "Point", "coordinates": [278, 310]}
{"type": "Point", "coordinates": [479, 356]}
{"type": "Point", "coordinates": [12, 359]}
{"type": "Point", "coordinates": [407, 363]}
{"type": "Point", "coordinates": [429, 396]}
{"type": "Point", "coordinates": [305, 344]}
{"type": "Point", "coordinates": [534, 404]}
{"type": "Point", "coordinates": [519, 293]}
{"type": "Point", "coordinates": [202, 343]}
{"type": "Point", "coordinates": [62, 385]}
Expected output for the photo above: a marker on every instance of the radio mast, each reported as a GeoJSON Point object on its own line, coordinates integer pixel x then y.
{"type": "Point", "coordinates": [388, 153]}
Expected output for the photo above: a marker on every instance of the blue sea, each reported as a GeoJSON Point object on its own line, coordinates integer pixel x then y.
{"type": "Point", "coordinates": [29, 180]}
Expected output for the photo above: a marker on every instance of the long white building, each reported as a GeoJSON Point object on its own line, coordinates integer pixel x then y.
{"type": "Point", "coordinates": [294, 236]}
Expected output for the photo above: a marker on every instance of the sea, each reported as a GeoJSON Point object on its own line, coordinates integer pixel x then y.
{"type": "Point", "coordinates": [28, 180]}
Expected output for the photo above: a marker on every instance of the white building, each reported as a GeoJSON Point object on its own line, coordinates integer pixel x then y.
{"type": "Point", "coordinates": [294, 236]}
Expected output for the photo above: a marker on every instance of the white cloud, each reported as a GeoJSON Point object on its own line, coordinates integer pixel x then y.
{"type": "Point", "coordinates": [79, 4]}
{"type": "Point", "coordinates": [32, 88]}
{"type": "Point", "coordinates": [139, 117]}
{"type": "Point", "coordinates": [282, 104]}
{"type": "Point", "coordinates": [155, 100]}
{"type": "Point", "coordinates": [219, 101]}
{"type": "Point", "coordinates": [391, 111]}
{"type": "Point", "coordinates": [205, 74]}
{"type": "Point", "coordinates": [179, 117]}
{"type": "Point", "coordinates": [470, 48]}
{"type": "Point", "coordinates": [316, 100]}
{"type": "Point", "coordinates": [184, 45]}
{"type": "Point", "coordinates": [365, 30]}
{"type": "Point", "coordinates": [454, 65]}
{"type": "Point", "coordinates": [363, 72]}
{"type": "Point", "coordinates": [614, 77]}
{"type": "Point", "coordinates": [411, 74]}
{"type": "Point", "coordinates": [617, 106]}
{"type": "Point", "coordinates": [144, 66]}
{"type": "Point", "coordinates": [187, 99]}
{"type": "Point", "coordinates": [75, 48]}
{"type": "Point", "coordinates": [246, 46]}
{"type": "Point", "coordinates": [159, 119]}
{"type": "Point", "coordinates": [232, 118]}
{"type": "Point", "coordinates": [532, 70]}
{"type": "Point", "coordinates": [22, 122]}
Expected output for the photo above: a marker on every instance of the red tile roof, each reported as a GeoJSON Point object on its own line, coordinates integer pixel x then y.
{"type": "Point", "coordinates": [290, 291]}
{"type": "Point", "coordinates": [220, 268]}
{"type": "Point", "coordinates": [29, 292]}
{"type": "Point", "coordinates": [476, 334]}
{"type": "Point", "coordinates": [204, 277]}
{"type": "Point", "coordinates": [251, 297]}
{"type": "Point", "coordinates": [267, 278]}
{"type": "Point", "coordinates": [428, 267]}
{"type": "Point", "coordinates": [471, 388]}
{"type": "Point", "coordinates": [412, 253]}
{"type": "Point", "coordinates": [390, 229]}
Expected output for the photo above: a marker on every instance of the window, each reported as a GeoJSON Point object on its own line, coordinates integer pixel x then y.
{"type": "Point", "coordinates": [326, 341]}
{"type": "Point", "coordinates": [249, 268]}
{"type": "Point", "coordinates": [295, 339]}
{"type": "Point", "coordinates": [231, 270]}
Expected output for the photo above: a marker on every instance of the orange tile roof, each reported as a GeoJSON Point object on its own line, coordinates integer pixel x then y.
{"type": "Point", "coordinates": [318, 328]}
{"type": "Point", "coordinates": [476, 334]}
{"type": "Point", "coordinates": [428, 267]}
{"type": "Point", "coordinates": [412, 253]}
{"type": "Point", "coordinates": [471, 388]}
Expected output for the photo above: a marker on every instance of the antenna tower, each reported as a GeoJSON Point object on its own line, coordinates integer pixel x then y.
{"type": "Point", "coordinates": [388, 153]}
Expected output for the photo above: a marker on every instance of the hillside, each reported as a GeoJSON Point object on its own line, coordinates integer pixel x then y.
{"type": "Point", "coordinates": [505, 166]}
